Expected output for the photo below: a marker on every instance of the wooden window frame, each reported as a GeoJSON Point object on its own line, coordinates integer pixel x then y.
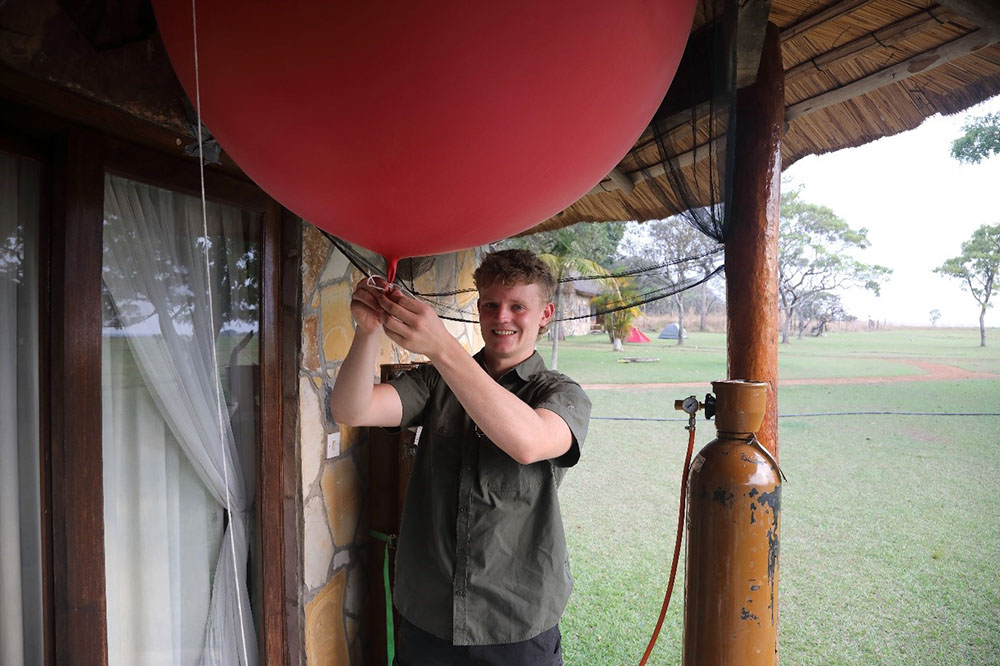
{"type": "Point", "coordinates": [30, 147]}
{"type": "Point", "coordinates": [74, 161]}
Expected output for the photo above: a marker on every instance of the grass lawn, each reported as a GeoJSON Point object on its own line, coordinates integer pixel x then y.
{"type": "Point", "coordinates": [890, 549]}
{"type": "Point", "coordinates": [591, 360]}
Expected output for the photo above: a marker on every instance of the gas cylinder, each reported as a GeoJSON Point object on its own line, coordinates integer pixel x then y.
{"type": "Point", "coordinates": [733, 517]}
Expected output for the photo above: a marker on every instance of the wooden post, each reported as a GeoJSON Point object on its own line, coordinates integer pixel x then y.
{"type": "Point", "coordinates": [276, 481]}
{"type": "Point", "coordinates": [390, 462]}
{"type": "Point", "coordinates": [78, 586]}
{"type": "Point", "coordinates": [752, 242]}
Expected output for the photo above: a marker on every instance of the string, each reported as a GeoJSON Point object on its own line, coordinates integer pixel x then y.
{"type": "Point", "coordinates": [211, 318]}
{"type": "Point", "coordinates": [648, 296]}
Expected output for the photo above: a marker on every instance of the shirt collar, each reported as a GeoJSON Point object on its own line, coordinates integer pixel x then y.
{"type": "Point", "coordinates": [525, 369]}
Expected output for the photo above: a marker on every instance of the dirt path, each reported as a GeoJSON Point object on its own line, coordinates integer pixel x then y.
{"type": "Point", "coordinates": [931, 372]}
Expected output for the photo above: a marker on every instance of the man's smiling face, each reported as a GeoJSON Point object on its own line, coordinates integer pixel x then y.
{"type": "Point", "coordinates": [510, 318]}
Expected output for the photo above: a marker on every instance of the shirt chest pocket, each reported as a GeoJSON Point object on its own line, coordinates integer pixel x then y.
{"type": "Point", "coordinates": [447, 422]}
{"type": "Point", "coordinates": [503, 476]}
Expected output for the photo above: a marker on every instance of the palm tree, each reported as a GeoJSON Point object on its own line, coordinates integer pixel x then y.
{"type": "Point", "coordinates": [619, 322]}
{"type": "Point", "coordinates": [563, 266]}
{"type": "Point", "coordinates": [573, 250]}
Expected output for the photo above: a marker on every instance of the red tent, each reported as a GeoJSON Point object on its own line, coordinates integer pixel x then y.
{"type": "Point", "coordinates": [635, 335]}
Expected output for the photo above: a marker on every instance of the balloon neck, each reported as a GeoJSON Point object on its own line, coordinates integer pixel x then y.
{"type": "Point", "coordinates": [390, 271]}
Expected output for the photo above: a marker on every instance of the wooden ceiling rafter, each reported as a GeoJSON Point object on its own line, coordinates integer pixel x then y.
{"type": "Point", "coordinates": [888, 36]}
{"type": "Point", "coordinates": [920, 63]}
{"type": "Point", "coordinates": [983, 13]}
{"type": "Point", "coordinates": [826, 15]}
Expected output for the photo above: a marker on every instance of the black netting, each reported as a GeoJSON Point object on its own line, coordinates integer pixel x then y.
{"type": "Point", "coordinates": [658, 281]}
{"type": "Point", "coordinates": [694, 149]}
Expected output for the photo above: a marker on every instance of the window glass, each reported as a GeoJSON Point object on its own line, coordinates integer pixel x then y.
{"type": "Point", "coordinates": [20, 513]}
{"type": "Point", "coordinates": [180, 426]}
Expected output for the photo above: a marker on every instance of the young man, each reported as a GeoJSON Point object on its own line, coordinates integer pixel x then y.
{"type": "Point", "coordinates": [482, 573]}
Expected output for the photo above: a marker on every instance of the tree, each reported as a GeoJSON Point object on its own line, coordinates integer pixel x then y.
{"type": "Point", "coordinates": [814, 247]}
{"type": "Point", "coordinates": [677, 243]}
{"type": "Point", "coordinates": [935, 315]}
{"type": "Point", "coordinates": [977, 268]}
{"type": "Point", "coordinates": [819, 311]}
{"type": "Point", "coordinates": [980, 141]}
{"type": "Point", "coordinates": [577, 249]}
{"type": "Point", "coordinates": [618, 323]}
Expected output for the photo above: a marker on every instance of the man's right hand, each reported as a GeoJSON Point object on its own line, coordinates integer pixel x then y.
{"type": "Point", "coordinates": [356, 400]}
{"type": "Point", "coordinates": [365, 309]}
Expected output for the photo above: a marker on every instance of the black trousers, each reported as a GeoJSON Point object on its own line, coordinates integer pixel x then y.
{"type": "Point", "coordinates": [416, 647]}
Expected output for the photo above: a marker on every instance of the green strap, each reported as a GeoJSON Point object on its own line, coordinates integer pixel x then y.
{"type": "Point", "coordinates": [390, 633]}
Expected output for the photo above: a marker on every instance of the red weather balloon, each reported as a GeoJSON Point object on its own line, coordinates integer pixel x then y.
{"type": "Point", "coordinates": [415, 128]}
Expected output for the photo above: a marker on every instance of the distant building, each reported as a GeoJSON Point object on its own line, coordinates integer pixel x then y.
{"type": "Point", "coordinates": [576, 299]}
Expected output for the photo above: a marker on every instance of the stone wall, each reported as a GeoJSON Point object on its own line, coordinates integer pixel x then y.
{"type": "Point", "coordinates": [574, 304]}
{"type": "Point", "coordinates": [333, 527]}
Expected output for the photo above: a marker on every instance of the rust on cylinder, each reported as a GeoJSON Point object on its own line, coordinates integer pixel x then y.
{"type": "Point", "coordinates": [733, 520]}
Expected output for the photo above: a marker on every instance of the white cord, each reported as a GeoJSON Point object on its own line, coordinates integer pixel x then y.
{"type": "Point", "coordinates": [216, 380]}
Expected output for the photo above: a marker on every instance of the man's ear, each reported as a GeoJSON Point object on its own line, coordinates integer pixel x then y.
{"type": "Point", "coordinates": [547, 312]}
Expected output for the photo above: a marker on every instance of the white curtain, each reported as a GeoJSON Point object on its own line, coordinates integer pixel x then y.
{"type": "Point", "coordinates": [20, 514]}
{"type": "Point", "coordinates": [177, 587]}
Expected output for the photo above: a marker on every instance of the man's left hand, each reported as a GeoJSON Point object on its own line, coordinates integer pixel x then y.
{"type": "Point", "coordinates": [414, 325]}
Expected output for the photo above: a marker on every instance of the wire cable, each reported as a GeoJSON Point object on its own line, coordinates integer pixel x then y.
{"type": "Point", "coordinates": [650, 295]}
{"type": "Point", "coordinates": [216, 381]}
{"type": "Point", "coordinates": [805, 414]}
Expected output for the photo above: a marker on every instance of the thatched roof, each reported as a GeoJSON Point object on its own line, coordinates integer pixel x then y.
{"type": "Point", "coordinates": [855, 71]}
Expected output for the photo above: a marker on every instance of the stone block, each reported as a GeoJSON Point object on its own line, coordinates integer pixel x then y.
{"type": "Point", "coordinates": [326, 637]}
{"type": "Point", "coordinates": [337, 268]}
{"type": "Point", "coordinates": [337, 327]}
{"type": "Point", "coordinates": [312, 433]}
{"type": "Point", "coordinates": [310, 343]}
{"type": "Point", "coordinates": [315, 248]}
{"type": "Point", "coordinates": [318, 548]}
{"type": "Point", "coordinates": [342, 494]}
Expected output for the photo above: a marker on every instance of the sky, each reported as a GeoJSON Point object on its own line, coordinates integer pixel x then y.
{"type": "Point", "coordinates": [919, 205]}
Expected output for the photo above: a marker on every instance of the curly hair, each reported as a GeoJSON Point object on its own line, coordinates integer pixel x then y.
{"type": "Point", "coordinates": [511, 267]}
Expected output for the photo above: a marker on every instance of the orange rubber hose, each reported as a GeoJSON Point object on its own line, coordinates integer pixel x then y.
{"type": "Point", "coordinates": [677, 548]}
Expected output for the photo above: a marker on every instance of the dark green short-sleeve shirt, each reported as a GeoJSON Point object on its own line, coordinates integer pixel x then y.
{"type": "Point", "coordinates": [482, 554]}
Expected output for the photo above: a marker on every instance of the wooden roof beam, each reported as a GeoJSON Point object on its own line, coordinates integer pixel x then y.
{"type": "Point", "coordinates": [983, 13]}
{"type": "Point", "coordinates": [751, 27]}
{"type": "Point", "coordinates": [621, 179]}
{"type": "Point", "coordinates": [831, 13]}
{"type": "Point", "coordinates": [681, 161]}
{"type": "Point", "coordinates": [881, 38]}
{"type": "Point", "coordinates": [918, 64]}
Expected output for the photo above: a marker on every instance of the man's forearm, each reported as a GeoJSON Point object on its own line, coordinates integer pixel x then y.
{"type": "Point", "coordinates": [510, 423]}
{"type": "Point", "coordinates": [352, 391]}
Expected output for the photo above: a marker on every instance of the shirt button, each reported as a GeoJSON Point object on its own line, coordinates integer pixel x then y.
{"type": "Point", "coordinates": [468, 468]}
{"type": "Point", "coordinates": [461, 509]}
